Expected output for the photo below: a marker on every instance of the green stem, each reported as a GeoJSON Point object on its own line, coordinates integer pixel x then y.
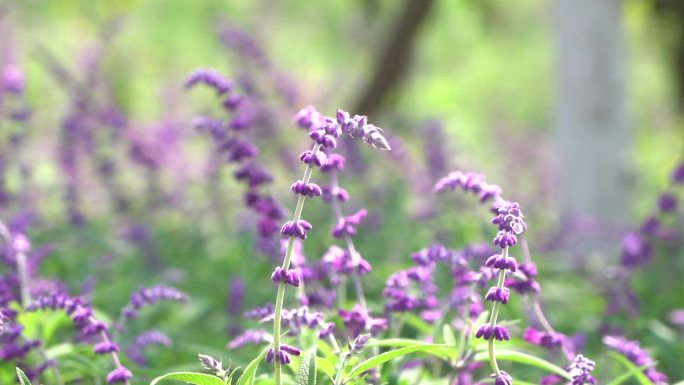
{"type": "Point", "coordinates": [280, 296]}
{"type": "Point", "coordinates": [493, 317]}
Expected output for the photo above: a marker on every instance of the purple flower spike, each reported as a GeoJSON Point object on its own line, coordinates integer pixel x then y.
{"type": "Point", "coordinates": [505, 239]}
{"type": "Point", "coordinates": [335, 193]}
{"type": "Point", "coordinates": [580, 370]}
{"type": "Point", "coordinates": [291, 349]}
{"type": "Point", "coordinates": [211, 78]}
{"type": "Point", "coordinates": [307, 189]}
{"type": "Point", "coordinates": [308, 118]}
{"type": "Point", "coordinates": [499, 333]}
{"type": "Point", "coordinates": [335, 162]}
{"type": "Point", "coordinates": [319, 159]}
{"type": "Point", "coordinates": [502, 378]}
{"type": "Point", "coordinates": [106, 347]}
{"type": "Point", "coordinates": [297, 230]}
{"type": "Point", "coordinates": [151, 296]}
{"type": "Point", "coordinates": [496, 294]}
{"type": "Point", "coordinates": [347, 225]}
{"type": "Point", "coordinates": [499, 261]}
{"type": "Point", "coordinates": [119, 375]}
{"type": "Point", "coordinates": [639, 356]}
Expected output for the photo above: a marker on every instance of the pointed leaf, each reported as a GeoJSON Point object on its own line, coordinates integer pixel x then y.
{"type": "Point", "coordinates": [433, 349]}
{"type": "Point", "coordinates": [515, 356]}
{"type": "Point", "coordinates": [449, 337]}
{"type": "Point", "coordinates": [22, 377]}
{"type": "Point", "coordinates": [191, 378]}
{"type": "Point", "coordinates": [640, 376]}
{"type": "Point", "coordinates": [307, 370]}
{"type": "Point", "coordinates": [248, 375]}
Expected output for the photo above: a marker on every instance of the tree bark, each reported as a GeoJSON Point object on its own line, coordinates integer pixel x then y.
{"type": "Point", "coordinates": [592, 130]}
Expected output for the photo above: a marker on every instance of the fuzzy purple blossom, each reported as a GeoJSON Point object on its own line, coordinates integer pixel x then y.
{"type": "Point", "coordinates": [136, 352]}
{"type": "Point", "coordinates": [151, 296]}
{"type": "Point", "coordinates": [211, 78]}
{"type": "Point", "coordinates": [640, 357]}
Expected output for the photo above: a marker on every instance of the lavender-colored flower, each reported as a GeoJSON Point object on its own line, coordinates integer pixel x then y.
{"type": "Point", "coordinates": [640, 357]}
{"type": "Point", "coordinates": [667, 202]}
{"type": "Point", "coordinates": [502, 378]}
{"type": "Point", "coordinates": [136, 352]}
{"type": "Point", "coordinates": [119, 375]}
{"type": "Point", "coordinates": [547, 340]}
{"type": "Point", "coordinates": [151, 296]}
{"type": "Point", "coordinates": [12, 79]}
{"type": "Point", "coordinates": [346, 226]}
{"type": "Point", "coordinates": [580, 370]}
{"type": "Point", "coordinates": [249, 337]}
{"type": "Point", "coordinates": [211, 78]}
{"type": "Point", "coordinates": [358, 344]}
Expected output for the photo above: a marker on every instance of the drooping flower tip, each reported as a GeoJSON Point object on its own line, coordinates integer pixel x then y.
{"type": "Point", "coordinates": [580, 370]}
{"type": "Point", "coordinates": [211, 78]}
{"type": "Point", "coordinates": [359, 343]}
{"type": "Point", "coordinates": [509, 218]}
{"type": "Point", "coordinates": [210, 363]}
{"type": "Point", "coordinates": [119, 375]}
{"type": "Point", "coordinates": [308, 118]}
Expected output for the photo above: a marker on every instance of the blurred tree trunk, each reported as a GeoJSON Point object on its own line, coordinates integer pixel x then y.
{"type": "Point", "coordinates": [592, 131]}
{"type": "Point", "coordinates": [673, 10]}
{"type": "Point", "coordinates": [394, 56]}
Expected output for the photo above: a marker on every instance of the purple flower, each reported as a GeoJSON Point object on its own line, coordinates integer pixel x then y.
{"type": "Point", "coordinates": [640, 357]}
{"type": "Point", "coordinates": [211, 78]}
{"type": "Point", "coordinates": [136, 352]}
{"type": "Point", "coordinates": [12, 79]}
{"type": "Point", "coordinates": [498, 294]}
{"type": "Point", "coordinates": [119, 375]}
{"type": "Point", "coordinates": [249, 337]}
{"type": "Point", "coordinates": [545, 339]}
{"type": "Point", "coordinates": [307, 189]}
{"type": "Point", "coordinates": [298, 230]}
{"type": "Point", "coordinates": [502, 378]}
{"type": "Point", "coordinates": [346, 226]}
{"type": "Point", "coordinates": [667, 202]}
{"type": "Point", "coordinates": [151, 296]}
{"type": "Point", "coordinates": [499, 333]}
{"type": "Point", "coordinates": [580, 370]}
{"type": "Point", "coordinates": [678, 174]}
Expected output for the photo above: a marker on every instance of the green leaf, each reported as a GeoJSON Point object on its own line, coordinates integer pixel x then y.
{"type": "Point", "coordinates": [307, 370]}
{"type": "Point", "coordinates": [247, 377]}
{"type": "Point", "coordinates": [325, 366]}
{"type": "Point", "coordinates": [445, 352]}
{"type": "Point", "coordinates": [626, 376]}
{"type": "Point", "coordinates": [22, 377]}
{"type": "Point", "coordinates": [418, 323]}
{"type": "Point", "coordinates": [449, 337]}
{"type": "Point", "coordinates": [433, 349]}
{"type": "Point", "coordinates": [191, 378]}
{"type": "Point", "coordinates": [640, 376]}
{"type": "Point", "coordinates": [515, 356]}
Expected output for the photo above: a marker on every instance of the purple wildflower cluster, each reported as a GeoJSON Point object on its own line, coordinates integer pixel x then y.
{"type": "Point", "coordinates": [82, 316]}
{"type": "Point", "coordinates": [511, 224]}
{"type": "Point", "coordinates": [232, 144]}
{"type": "Point", "coordinates": [640, 357]}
